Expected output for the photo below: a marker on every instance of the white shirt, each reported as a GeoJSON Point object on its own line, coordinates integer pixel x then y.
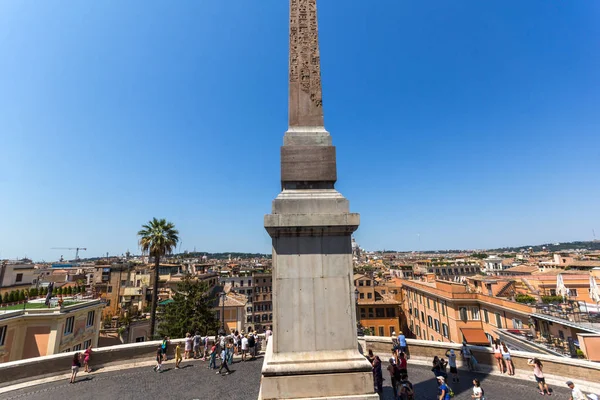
{"type": "Point", "coordinates": [477, 392]}
{"type": "Point", "coordinates": [577, 394]}
{"type": "Point", "coordinates": [268, 334]}
{"type": "Point", "coordinates": [244, 343]}
{"type": "Point", "coordinates": [452, 360]}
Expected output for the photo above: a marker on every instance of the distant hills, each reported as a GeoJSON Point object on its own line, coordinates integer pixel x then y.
{"type": "Point", "coordinates": [551, 247]}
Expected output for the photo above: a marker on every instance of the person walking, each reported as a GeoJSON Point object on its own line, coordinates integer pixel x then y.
{"type": "Point", "coordinates": [251, 345]}
{"type": "Point", "coordinates": [268, 334]}
{"type": "Point", "coordinates": [393, 371]}
{"type": "Point", "coordinates": [206, 348]}
{"type": "Point", "coordinates": [377, 376]}
{"type": "Point", "coordinates": [498, 355]}
{"type": "Point", "coordinates": [576, 393]}
{"type": "Point", "coordinates": [159, 358]}
{"type": "Point", "coordinates": [197, 339]}
{"type": "Point", "coordinates": [452, 363]}
{"type": "Point", "coordinates": [506, 356]}
{"type": "Point", "coordinates": [178, 357]}
{"type": "Point", "coordinates": [539, 375]}
{"type": "Point", "coordinates": [229, 354]}
{"type": "Point", "coordinates": [164, 346]}
{"type": "Point", "coordinates": [436, 366]}
{"type": "Point", "coordinates": [467, 355]}
{"type": "Point", "coordinates": [224, 354]}
{"type": "Point", "coordinates": [86, 359]}
{"type": "Point", "coordinates": [75, 365]}
{"type": "Point", "coordinates": [402, 364]}
{"type": "Point", "coordinates": [189, 341]}
{"type": "Point", "coordinates": [478, 392]}
{"type": "Point", "coordinates": [244, 347]}
{"type": "Point", "coordinates": [443, 389]}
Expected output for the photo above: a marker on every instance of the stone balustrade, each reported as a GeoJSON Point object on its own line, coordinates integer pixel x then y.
{"type": "Point", "coordinates": [557, 370]}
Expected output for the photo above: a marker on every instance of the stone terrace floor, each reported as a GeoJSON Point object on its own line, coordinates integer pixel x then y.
{"type": "Point", "coordinates": [195, 381]}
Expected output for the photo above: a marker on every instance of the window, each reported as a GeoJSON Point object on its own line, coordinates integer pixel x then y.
{"type": "Point", "coordinates": [123, 283]}
{"type": "Point", "coordinates": [241, 283]}
{"type": "Point", "coordinates": [498, 320]}
{"type": "Point", "coordinates": [391, 312]}
{"type": "Point", "coordinates": [552, 292]}
{"type": "Point", "coordinates": [87, 344]}
{"type": "Point", "coordinates": [432, 339]}
{"type": "Point", "coordinates": [19, 278]}
{"type": "Point", "coordinates": [380, 313]}
{"type": "Point", "coordinates": [249, 318]}
{"type": "Point", "coordinates": [418, 330]}
{"type": "Point", "coordinates": [486, 317]}
{"type": "Point", "coordinates": [437, 325]}
{"type": "Point", "coordinates": [517, 323]}
{"type": "Point", "coordinates": [108, 303]}
{"type": "Point", "coordinates": [143, 339]}
{"type": "Point", "coordinates": [435, 306]}
{"type": "Point", "coordinates": [77, 347]}
{"type": "Point", "coordinates": [3, 334]}
{"type": "Point", "coordinates": [381, 333]}
{"type": "Point", "coordinates": [360, 283]}
{"type": "Point", "coordinates": [445, 330]}
{"type": "Point", "coordinates": [69, 325]}
{"type": "Point", "coordinates": [443, 309]}
{"type": "Point", "coordinates": [475, 313]}
{"type": "Point", "coordinates": [428, 303]}
{"type": "Point", "coordinates": [463, 314]}
{"type": "Point", "coordinates": [422, 316]}
{"type": "Point", "coordinates": [90, 318]}
{"type": "Point", "coordinates": [429, 321]}
{"type": "Point", "coordinates": [67, 350]}
{"type": "Point", "coordinates": [420, 299]}
{"type": "Point", "coordinates": [371, 315]}
{"type": "Point", "coordinates": [369, 295]}
{"type": "Point", "coordinates": [368, 283]}
{"type": "Point", "coordinates": [392, 330]}
{"type": "Point", "coordinates": [573, 292]}
{"type": "Point", "coordinates": [561, 335]}
{"type": "Point", "coordinates": [415, 296]}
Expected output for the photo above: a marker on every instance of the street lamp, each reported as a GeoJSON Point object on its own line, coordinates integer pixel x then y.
{"type": "Point", "coordinates": [222, 332]}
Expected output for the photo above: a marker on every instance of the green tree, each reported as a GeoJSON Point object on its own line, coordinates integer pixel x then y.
{"type": "Point", "coordinates": [82, 289]}
{"type": "Point", "coordinates": [12, 297]}
{"type": "Point", "coordinates": [525, 298]}
{"type": "Point", "coordinates": [55, 291]}
{"type": "Point", "coordinates": [44, 291]}
{"type": "Point", "coordinates": [60, 291]}
{"type": "Point", "coordinates": [190, 310]}
{"type": "Point", "coordinates": [69, 290]}
{"type": "Point", "coordinates": [21, 295]}
{"type": "Point", "coordinates": [76, 289]}
{"type": "Point", "coordinates": [6, 298]}
{"type": "Point", "coordinates": [157, 238]}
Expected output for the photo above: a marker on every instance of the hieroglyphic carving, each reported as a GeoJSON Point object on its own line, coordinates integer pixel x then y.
{"type": "Point", "coordinates": [305, 64]}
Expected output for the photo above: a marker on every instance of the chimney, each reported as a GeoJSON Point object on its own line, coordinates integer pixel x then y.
{"type": "Point", "coordinates": [430, 277]}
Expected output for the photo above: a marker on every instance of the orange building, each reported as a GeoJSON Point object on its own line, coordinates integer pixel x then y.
{"type": "Point", "coordinates": [379, 307]}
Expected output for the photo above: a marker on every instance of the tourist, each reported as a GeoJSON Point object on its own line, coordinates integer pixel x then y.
{"type": "Point", "coordinates": [251, 344]}
{"type": "Point", "coordinates": [477, 390]}
{"type": "Point", "coordinates": [403, 344]}
{"type": "Point", "coordinates": [268, 334]}
{"type": "Point", "coordinates": [244, 347]}
{"type": "Point", "coordinates": [370, 356]}
{"type": "Point", "coordinates": [236, 342]}
{"type": "Point", "coordinates": [213, 357]}
{"type": "Point", "coordinates": [75, 365]}
{"type": "Point", "coordinates": [229, 348]}
{"type": "Point", "coordinates": [189, 341]}
{"type": "Point", "coordinates": [86, 359]}
{"type": "Point", "coordinates": [402, 364]}
{"type": "Point", "coordinates": [539, 376]}
{"type": "Point", "coordinates": [178, 355]}
{"type": "Point", "coordinates": [197, 339]}
{"type": "Point", "coordinates": [164, 346]}
{"type": "Point", "coordinates": [498, 355]}
{"type": "Point", "coordinates": [206, 348]}
{"type": "Point", "coordinates": [406, 391]}
{"type": "Point", "coordinates": [377, 376]}
{"type": "Point", "coordinates": [576, 393]}
{"type": "Point", "coordinates": [436, 367]}
{"type": "Point", "coordinates": [159, 358]}
{"type": "Point", "coordinates": [393, 371]}
{"type": "Point", "coordinates": [443, 389]}
{"type": "Point", "coordinates": [452, 363]}
{"type": "Point", "coordinates": [224, 354]}
{"type": "Point", "coordinates": [467, 355]}
{"type": "Point", "coordinates": [507, 359]}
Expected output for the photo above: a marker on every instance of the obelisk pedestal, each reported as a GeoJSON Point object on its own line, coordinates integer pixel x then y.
{"type": "Point", "coordinates": [314, 351]}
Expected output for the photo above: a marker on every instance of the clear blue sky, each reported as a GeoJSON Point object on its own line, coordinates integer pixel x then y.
{"type": "Point", "coordinates": [473, 123]}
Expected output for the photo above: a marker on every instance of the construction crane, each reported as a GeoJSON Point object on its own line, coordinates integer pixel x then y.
{"type": "Point", "coordinates": [71, 248]}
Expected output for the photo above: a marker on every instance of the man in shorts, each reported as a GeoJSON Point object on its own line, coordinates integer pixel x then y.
{"type": "Point", "coordinates": [244, 347]}
{"type": "Point", "coordinates": [197, 340]}
{"type": "Point", "coordinates": [452, 363]}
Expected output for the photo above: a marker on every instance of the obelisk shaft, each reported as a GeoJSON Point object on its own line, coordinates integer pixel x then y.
{"type": "Point", "coordinates": [305, 103]}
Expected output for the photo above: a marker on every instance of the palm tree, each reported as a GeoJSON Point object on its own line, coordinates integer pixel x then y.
{"type": "Point", "coordinates": [157, 238]}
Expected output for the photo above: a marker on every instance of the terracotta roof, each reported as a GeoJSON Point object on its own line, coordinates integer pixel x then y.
{"type": "Point", "coordinates": [523, 269]}
{"type": "Point", "coordinates": [584, 263]}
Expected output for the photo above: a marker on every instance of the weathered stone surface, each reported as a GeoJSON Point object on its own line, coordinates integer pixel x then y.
{"type": "Point", "coordinates": [305, 102]}
{"type": "Point", "coordinates": [308, 164]}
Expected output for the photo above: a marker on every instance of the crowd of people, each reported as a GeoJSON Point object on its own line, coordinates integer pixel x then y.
{"type": "Point", "coordinates": [403, 389]}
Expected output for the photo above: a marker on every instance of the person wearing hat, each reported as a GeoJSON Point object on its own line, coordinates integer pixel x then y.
{"type": "Point", "coordinates": [443, 389]}
{"type": "Point", "coordinates": [576, 393]}
{"type": "Point", "coordinates": [452, 363]}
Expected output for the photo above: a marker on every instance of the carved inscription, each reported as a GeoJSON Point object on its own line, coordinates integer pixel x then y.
{"type": "Point", "coordinates": [305, 64]}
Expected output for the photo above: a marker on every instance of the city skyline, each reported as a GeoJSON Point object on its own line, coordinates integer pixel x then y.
{"type": "Point", "coordinates": [478, 132]}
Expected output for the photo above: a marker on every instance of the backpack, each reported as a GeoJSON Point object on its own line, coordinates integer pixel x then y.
{"type": "Point", "coordinates": [251, 342]}
{"type": "Point", "coordinates": [450, 391]}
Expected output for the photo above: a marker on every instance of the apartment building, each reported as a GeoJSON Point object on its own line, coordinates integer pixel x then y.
{"type": "Point", "coordinates": [34, 332]}
{"type": "Point", "coordinates": [262, 302]}
{"type": "Point", "coordinates": [378, 304]}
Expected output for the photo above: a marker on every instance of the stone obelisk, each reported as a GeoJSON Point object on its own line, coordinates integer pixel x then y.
{"type": "Point", "coordinates": [314, 352]}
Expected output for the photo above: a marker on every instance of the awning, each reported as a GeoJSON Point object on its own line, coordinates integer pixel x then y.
{"type": "Point", "coordinates": [475, 336]}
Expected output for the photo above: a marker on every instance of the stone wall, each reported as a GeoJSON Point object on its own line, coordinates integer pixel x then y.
{"type": "Point", "coordinates": [557, 370]}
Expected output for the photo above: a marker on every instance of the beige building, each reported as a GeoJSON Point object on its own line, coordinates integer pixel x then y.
{"type": "Point", "coordinates": [35, 332]}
